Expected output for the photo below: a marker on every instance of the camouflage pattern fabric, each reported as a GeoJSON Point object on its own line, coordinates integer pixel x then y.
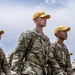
{"type": "Point", "coordinates": [73, 72]}
{"type": "Point", "coordinates": [36, 57]}
{"type": "Point", "coordinates": [59, 60]}
{"type": "Point", "coordinates": [73, 66]}
{"type": "Point", "coordinates": [9, 58]}
{"type": "Point", "coordinates": [4, 66]}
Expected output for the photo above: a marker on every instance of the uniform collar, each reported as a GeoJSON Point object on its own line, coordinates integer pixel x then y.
{"type": "Point", "coordinates": [61, 46]}
{"type": "Point", "coordinates": [43, 36]}
{"type": "Point", "coordinates": [37, 32]}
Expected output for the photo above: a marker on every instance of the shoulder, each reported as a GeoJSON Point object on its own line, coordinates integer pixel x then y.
{"type": "Point", "coordinates": [10, 54]}
{"type": "Point", "coordinates": [66, 49]}
{"type": "Point", "coordinates": [2, 54]}
{"type": "Point", "coordinates": [65, 46]}
{"type": "Point", "coordinates": [53, 44]}
{"type": "Point", "coordinates": [46, 37]}
{"type": "Point", "coordinates": [1, 50]}
{"type": "Point", "coordinates": [26, 34]}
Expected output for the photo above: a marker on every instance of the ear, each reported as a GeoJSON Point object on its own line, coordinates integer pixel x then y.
{"type": "Point", "coordinates": [36, 19]}
{"type": "Point", "coordinates": [57, 34]}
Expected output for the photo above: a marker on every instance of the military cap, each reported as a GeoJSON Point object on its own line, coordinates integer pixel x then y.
{"type": "Point", "coordinates": [61, 28]}
{"type": "Point", "coordinates": [41, 14]}
{"type": "Point", "coordinates": [1, 32]}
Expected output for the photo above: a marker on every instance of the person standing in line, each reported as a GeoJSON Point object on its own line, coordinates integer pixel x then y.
{"type": "Point", "coordinates": [59, 58]}
{"type": "Point", "coordinates": [4, 66]}
{"type": "Point", "coordinates": [36, 57]}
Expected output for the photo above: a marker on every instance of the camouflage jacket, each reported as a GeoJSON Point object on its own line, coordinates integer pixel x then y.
{"type": "Point", "coordinates": [9, 57]}
{"type": "Point", "coordinates": [73, 66]}
{"type": "Point", "coordinates": [36, 57]}
{"type": "Point", "coordinates": [59, 59]}
{"type": "Point", "coordinates": [4, 66]}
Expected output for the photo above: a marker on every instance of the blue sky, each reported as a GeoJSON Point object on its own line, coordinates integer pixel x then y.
{"type": "Point", "coordinates": [16, 17]}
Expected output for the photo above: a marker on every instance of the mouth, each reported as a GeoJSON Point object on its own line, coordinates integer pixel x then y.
{"type": "Point", "coordinates": [66, 36]}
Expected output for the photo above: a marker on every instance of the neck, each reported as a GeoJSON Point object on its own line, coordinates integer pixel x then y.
{"type": "Point", "coordinates": [60, 41]}
{"type": "Point", "coordinates": [40, 29]}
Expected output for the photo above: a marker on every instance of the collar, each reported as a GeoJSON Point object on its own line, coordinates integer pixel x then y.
{"type": "Point", "coordinates": [61, 46]}
{"type": "Point", "coordinates": [43, 36]}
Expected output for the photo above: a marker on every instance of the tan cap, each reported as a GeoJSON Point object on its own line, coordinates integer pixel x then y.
{"type": "Point", "coordinates": [61, 28]}
{"type": "Point", "coordinates": [1, 32]}
{"type": "Point", "coordinates": [41, 14]}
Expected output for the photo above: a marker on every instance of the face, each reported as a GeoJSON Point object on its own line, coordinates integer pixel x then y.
{"type": "Point", "coordinates": [62, 35]}
{"type": "Point", "coordinates": [41, 21]}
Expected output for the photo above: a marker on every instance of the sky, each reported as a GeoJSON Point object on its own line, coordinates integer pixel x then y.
{"type": "Point", "coordinates": [16, 17]}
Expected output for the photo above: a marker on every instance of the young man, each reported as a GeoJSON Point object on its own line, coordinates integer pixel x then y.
{"type": "Point", "coordinates": [36, 56]}
{"type": "Point", "coordinates": [59, 55]}
{"type": "Point", "coordinates": [4, 66]}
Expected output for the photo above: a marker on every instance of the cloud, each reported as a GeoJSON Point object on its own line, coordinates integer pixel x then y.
{"type": "Point", "coordinates": [14, 20]}
{"type": "Point", "coordinates": [50, 1]}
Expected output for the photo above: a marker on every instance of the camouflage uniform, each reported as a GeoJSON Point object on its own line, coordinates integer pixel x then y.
{"type": "Point", "coordinates": [59, 59]}
{"type": "Point", "coordinates": [4, 66]}
{"type": "Point", "coordinates": [36, 57]}
{"type": "Point", "coordinates": [9, 57]}
{"type": "Point", "coordinates": [73, 66]}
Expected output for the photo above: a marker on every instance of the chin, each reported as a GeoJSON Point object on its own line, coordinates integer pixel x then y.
{"type": "Point", "coordinates": [65, 39]}
{"type": "Point", "coordinates": [44, 25]}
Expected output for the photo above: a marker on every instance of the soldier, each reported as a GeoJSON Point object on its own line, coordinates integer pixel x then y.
{"type": "Point", "coordinates": [4, 66]}
{"type": "Point", "coordinates": [35, 58]}
{"type": "Point", "coordinates": [59, 57]}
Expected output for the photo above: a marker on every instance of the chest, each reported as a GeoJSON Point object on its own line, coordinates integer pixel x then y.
{"type": "Point", "coordinates": [40, 44]}
{"type": "Point", "coordinates": [60, 53]}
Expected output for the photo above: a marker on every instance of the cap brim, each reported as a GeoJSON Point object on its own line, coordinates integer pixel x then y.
{"type": "Point", "coordinates": [47, 16]}
{"type": "Point", "coordinates": [1, 32]}
{"type": "Point", "coordinates": [67, 29]}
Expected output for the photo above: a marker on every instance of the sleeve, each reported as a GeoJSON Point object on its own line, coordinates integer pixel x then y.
{"type": "Point", "coordinates": [56, 70]}
{"type": "Point", "coordinates": [5, 66]}
{"type": "Point", "coordinates": [68, 64]}
{"type": "Point", "coordinates": [19, 53]}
